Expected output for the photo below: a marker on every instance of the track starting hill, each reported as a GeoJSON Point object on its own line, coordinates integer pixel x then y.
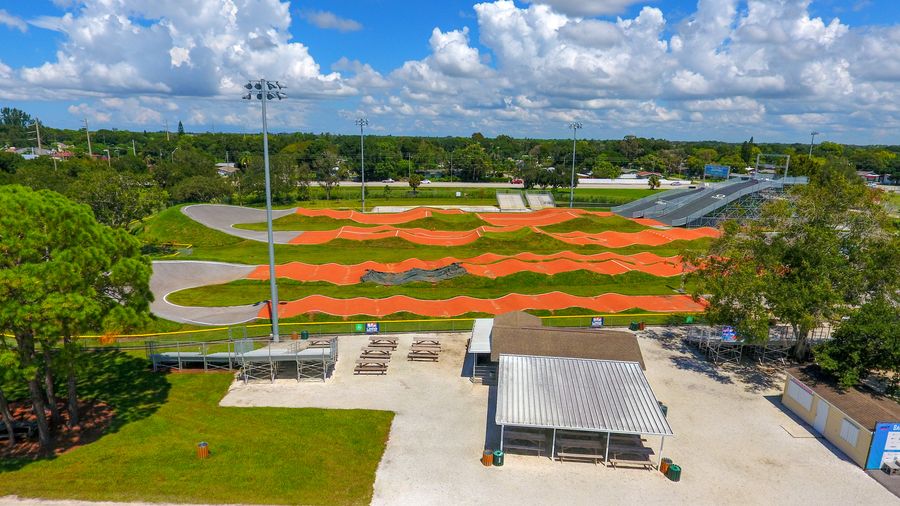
{"type": "Point", "coordinates": [739, 198]}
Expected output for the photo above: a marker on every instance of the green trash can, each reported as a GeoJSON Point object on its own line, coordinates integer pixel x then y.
{"type": "Point", "coordinates": [304, 334]}
{"type": "Point", "coordinates": [633, 326]}
{"type": "Point", "coordinates": [498, 458]}
{"type": "Point", "coordinates": [674, 472]}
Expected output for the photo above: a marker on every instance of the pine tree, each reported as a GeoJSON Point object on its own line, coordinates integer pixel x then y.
{"type": "Point", "coordinates": [180, 128]}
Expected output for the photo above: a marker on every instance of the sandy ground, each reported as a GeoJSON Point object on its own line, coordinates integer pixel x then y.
{"type": "Point", "coordinates": [733, 440]}
{"type": "Point", "coordinates": [223, 217]}
{"type": "Point", "coordinates": [171, 276]}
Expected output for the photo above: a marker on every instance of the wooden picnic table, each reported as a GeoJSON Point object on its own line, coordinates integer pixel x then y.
{"type": "Point", "coordinates": [525, 440]}
{"type": "Point", "coordinates": [382, 342]}
{"type": "Point", "coordinates": [436, 341]}
{"type": "Point", "coordinates": [430, 355]}
{"type": "Point", "coordinates": [376, 352]}
{"type": "Point", "coordinates": [591, 449]}
{"type": "Point", "coordinates": [371, 360]}
{"type": "Point", "coordinates": [421, 346]}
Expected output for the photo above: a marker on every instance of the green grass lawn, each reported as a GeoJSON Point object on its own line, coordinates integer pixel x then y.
{"type": "Point", "coordinates": [595, 224]}
{"type": "Point", "coordinates": [258, 455]}
{"type": "Point", "coordinates": [436, 222]}
{"type": "Point", "coordinates": [582, 283]}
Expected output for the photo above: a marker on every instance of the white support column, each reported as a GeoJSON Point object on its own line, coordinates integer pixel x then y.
{"type": "Point", "coordinates": [606, 454]}
{"type": "Point", "coordinates": [662, 442]}
{"type": "Point", "coordinates": [501, 437]}
{"type": "Point", "coordinates": [553, 447]}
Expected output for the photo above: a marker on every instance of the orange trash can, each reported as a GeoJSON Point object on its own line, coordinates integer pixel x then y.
{"type": "Point", "coordinates": [487, 458]}
{"type": "Point", "coordinates": [203, 450]}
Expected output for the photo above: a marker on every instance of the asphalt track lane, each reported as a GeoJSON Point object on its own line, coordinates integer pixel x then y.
{"type": "Point", "coordinates": [223, 218]}
{"type": "Point", "coordinates": [171, 276]}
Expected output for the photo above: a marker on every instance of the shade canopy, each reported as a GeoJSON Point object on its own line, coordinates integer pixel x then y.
{"type": "Point", "coordinates": [577, 394]}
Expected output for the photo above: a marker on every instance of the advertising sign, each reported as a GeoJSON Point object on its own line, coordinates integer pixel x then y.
{"type": "Point", "coordinates": [885, 444]}
{"type": "Point", "coordinates": [372, 328]}
{"type": "Point", "coordinates": [596, 322]}
{"type": "Point", "coordinates": [360, 327]}
{"type": "Point", "coordinates": [728, 333]}
{"type": "Point", "coordinates": [716, 171]}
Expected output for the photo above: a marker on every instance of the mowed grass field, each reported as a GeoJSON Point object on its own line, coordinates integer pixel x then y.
{"type": "Point", "coordinates": [258, 455]}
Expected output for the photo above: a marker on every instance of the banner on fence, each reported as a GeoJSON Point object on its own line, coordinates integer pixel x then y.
{"type": "Point", "coordinates": [596, 322]}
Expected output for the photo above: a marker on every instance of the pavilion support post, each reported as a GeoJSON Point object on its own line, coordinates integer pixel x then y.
{"type": "Point", "coordinates": [606, 452]}
{"type": "Point", "coordinates": [553, 446]}
{"type": "Point", "coordinates": [178, 350]}
{"type": "Point", "coordinates": [501, 437]}
{"type": "Point", "coordinates": [662, 442]}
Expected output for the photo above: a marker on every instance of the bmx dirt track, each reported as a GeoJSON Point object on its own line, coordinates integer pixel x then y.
{"type": "Point", "coordinates": [606, 303]}
{"type": "Point", "coordinates": [446, 238]}
{"type": "Point", "coordinates": [487, 265]}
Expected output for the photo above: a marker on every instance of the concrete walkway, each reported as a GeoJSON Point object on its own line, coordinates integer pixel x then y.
{"type": "Point", "coordinates": [223, 218]}
{"type": "Point", "coordinates": [171, 276]}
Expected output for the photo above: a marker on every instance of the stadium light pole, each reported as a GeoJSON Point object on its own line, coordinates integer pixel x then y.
{"type": "Point", "coordinates": [264, 91]}
{"type": "Point", "coordinates": [362, 122]}
{"type": "Point", "coordinates": [812, 138]}
{"type": "Point", "coordinates": [574, 126]}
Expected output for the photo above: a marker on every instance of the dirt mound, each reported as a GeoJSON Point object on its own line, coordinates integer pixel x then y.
{"type": "Point", "coordinates": [451, 271]}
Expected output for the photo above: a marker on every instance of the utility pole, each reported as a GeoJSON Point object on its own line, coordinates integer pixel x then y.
{"type": "Point", "coordinates": [812, 138]}
{"type": "Point", "coordinates": [37, 134]}
{"type": "Point", "coordinates": [409, 165]}
{"type": "Point", "coordinates": [574, 126]}
{"type": "Point", "coordinates": [167, 130]}
{"type": "Point", "coordinates": [88, 132]}
{"type": "Point", "coordinates": [264, 91]}
{"type": "Point", "coordinates": [133, 149]}
{"type": "Point", "coordinates": [362, 122]}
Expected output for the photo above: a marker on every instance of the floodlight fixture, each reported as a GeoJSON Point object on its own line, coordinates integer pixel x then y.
{"type": "Point", "coordinates": [575, 125]}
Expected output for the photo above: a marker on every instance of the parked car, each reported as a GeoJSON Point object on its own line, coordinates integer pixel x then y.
{"type": "Point", "coordinates": [388, 180]}
{"type": "Point", "coordinates": [676, 183]}
{"type": "Point", "coordinates": [426, 181]}
{"type": "Point", "coordinates": [516, 181]}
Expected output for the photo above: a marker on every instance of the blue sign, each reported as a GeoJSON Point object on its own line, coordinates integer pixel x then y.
{"type": "Point", "coordinates": [717, 171]}
{"type": "Point", "coordinates": [372, 328]}
{"type": "Point", "coordinates": [596, 322]}
{"type": "Point", "coordinates": [728, 333]}
{"type": "Point", "coordinates": [885, 444]}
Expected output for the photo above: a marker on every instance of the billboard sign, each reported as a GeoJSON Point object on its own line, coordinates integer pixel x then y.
{"type": "Point", "coordinates": [716, 171]}
{"type": "Point", "coordinates": [596, 322]}
{"type": "Point", "coordinates": [372, 328]}
{"type": "Point", "coordinates": [885, 445]}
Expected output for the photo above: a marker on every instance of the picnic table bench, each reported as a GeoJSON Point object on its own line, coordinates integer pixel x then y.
{"type": "Point", "coordinates": [383, 342]}
{"type": "Point", "coordinates": [525, 441]}
{"type": "Point", "coordinates": [371, 366]}
{"type": "Point", "coordinates": [436, 341]}
{"type": "Point", "coordinates": [590, 449]}
{"type": "Point", "coordinates": [430, 355]}
{"type": "Point", "coordinates": [376, 353]}
{"type": "Point", "coordinates": [630, 455]}
{"type": "Point", "coordinates": [425, 346]}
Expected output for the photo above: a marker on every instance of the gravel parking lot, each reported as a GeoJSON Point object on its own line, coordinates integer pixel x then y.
{"type": "Point", "coordinates": [734, 442]}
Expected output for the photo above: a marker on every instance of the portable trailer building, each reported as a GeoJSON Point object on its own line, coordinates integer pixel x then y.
{"type": "Point", "coordinates": [862, 424]}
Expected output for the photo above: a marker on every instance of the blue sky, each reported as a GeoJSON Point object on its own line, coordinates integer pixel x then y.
{"type": "Point", "coordinates": [678, 69]}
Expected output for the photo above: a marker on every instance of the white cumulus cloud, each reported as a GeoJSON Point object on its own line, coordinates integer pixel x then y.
{"type": "Point", "coordinates": [331, 21]}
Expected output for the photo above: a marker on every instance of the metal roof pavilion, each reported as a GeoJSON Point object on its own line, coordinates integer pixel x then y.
{"type": "Point", "coordinates": [481, 335]}
{"type": "Point", "coordinates": [577, 394]}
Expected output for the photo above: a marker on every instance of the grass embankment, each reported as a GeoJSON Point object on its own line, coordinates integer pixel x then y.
{"type": "Point", "coordinates": [258, 455]}
{"type": "Point", "coordinates": [589, 224]}
{"type": "Point", "coordinates": [436, 222]}
{"type": "Point", "coordinates": [581, 283]}
{"type": "Point", "coordinates": [172, 225]}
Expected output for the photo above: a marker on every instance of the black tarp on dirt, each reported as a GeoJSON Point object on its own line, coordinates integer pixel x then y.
{"type": "Point", "coordinates": [431, 276]}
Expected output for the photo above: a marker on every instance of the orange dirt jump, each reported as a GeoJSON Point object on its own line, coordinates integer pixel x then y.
{"type": "Point", "coordinates": [544, 217]}
{"type": "Point", "coordinates": [609, 238]}
{"type": "Point", "coordinates": [488, 265]}
{"type": "Point", "coordinates": [606, 303]}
